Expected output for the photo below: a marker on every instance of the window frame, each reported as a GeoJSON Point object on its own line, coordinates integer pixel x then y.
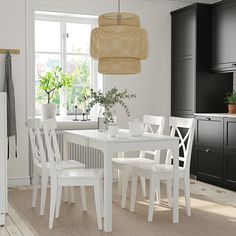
{"type": "Point", "coordinates": [64, 18]}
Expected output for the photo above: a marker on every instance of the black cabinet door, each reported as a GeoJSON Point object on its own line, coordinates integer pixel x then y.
{"type": "Point", "coordinates": [230, 153]}
{"type": "Point", "coordinates": [209, 165]}
{"type": "Point", "coordinates": [183, 33]}
{"type": "Point", "coordinates": [224, 36]}
{"type": "Point", "coordinates": [230, 134]}
{"type": "Point", "coordinates": [230, 170]}
{"type": "Point", "coordinates": [209, 131]}
{"type": "Point", "coordinates": [183, 86]}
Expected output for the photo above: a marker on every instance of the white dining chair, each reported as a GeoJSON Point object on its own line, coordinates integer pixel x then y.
{"type": "Point", "coordinates": [155, 125]}
{"type": "Point", "coordinates": [184, 129]}
{"type": "Point", "coordinates": [69, 177]}
{"type": "Point", "coordinates": [41, 166]}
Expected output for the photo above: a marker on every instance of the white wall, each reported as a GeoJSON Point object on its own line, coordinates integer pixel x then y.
{"type": "Point", "coordinates": [12, 24]}
{"type": "Point", "coordinates": [151, 86]}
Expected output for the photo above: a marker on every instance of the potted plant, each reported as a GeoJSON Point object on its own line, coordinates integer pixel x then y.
{"type": "Point", "coordinates": [107, 102]}
{"type": "Point", "coordinates": [231, 100]}
{"type": "Point", "coordinates": [51, 82]}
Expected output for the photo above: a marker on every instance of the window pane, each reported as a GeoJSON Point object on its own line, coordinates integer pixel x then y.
{"type": "Point", "coordinates": [78, 37]}
{"type": "Point", "coordinates": [80, 66]}
{"type": "Point", "coordinates": [47, 36]}
{"type": "Point", "coordinates": [44, 63]}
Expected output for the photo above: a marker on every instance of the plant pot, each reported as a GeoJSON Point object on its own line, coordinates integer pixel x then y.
{"type": "Point", "coordinates": [48, 111]}
{"type": "Point", "coordinates": [232, 108]}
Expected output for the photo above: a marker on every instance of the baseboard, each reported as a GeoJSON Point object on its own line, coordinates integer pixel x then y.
{"type": "Point", "coordinates": [18, 181]}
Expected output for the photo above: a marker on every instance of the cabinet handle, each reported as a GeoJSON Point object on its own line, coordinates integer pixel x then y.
{"type": "Point", "coordinates": [208, 118]}
{"type": "Point", "coordinates": [207, 150]}
{"type": "Point", "coordinates": [233, 64]}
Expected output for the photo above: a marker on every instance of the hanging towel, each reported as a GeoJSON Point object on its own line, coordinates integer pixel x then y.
{"type": "Point", "coordinates": [11, 113]}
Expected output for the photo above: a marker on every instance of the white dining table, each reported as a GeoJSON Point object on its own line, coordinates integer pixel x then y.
{"type": "Point", "coordinates": [121, 143]}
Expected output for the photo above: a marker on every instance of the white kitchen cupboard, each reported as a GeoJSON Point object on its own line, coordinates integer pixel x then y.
{"type": "Point", "coordinates": [3, 157]}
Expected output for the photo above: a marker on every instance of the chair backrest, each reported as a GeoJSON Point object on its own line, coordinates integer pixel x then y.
{"type": "Point", "coordinates": [183, 128]}
{"type": "Point", "coordinates": [154, 125]}
{"type": "Point", "coordinates": [54, 156]}
{"type": "Point", "coordinates": [38, 152]}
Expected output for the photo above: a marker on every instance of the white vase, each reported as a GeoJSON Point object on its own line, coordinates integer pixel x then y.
{"type": "Point", "coordinates": [48, 111]}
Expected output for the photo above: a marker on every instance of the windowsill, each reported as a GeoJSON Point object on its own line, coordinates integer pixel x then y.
{"type": "Point", "coordinates": [70, 124]}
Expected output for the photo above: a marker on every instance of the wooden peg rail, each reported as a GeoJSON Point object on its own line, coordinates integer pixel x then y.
{"type": "Point", "coordinates": [10, 51]}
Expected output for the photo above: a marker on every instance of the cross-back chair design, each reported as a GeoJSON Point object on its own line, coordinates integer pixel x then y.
{"type": "Point", "coordinates": [41, 166]}
{"type": "Point", "coordinates": [155, 125]}
{"type": "Point", "coordinates": [184, 129]}
{"type": "Point", "coordinates": [61, 177]}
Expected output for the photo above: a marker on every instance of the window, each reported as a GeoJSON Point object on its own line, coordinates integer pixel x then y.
{"type": "Point", "coordinates": [63, 40]}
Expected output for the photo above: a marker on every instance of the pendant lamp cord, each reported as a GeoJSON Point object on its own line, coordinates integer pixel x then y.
{"type": "Point", "coordinates": [119, 6]}
{"type": "Point", "coordinates": [119, 17]}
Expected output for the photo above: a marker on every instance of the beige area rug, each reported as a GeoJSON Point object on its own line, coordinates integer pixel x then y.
{"type": "Point", "coordinates": [208, 218]}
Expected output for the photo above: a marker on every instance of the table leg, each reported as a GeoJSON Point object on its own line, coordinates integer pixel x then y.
{"type": "Point", "coordinates": [175, 218]}
{"type": "Point", "coordinates": [65, 195]}
{"type": "Point", "coordinates": [107, 190]}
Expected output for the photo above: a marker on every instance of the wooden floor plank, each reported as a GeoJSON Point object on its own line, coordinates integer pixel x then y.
{"type": "Point", "coordinates": [12, 228]}
{"type": "Point", "coordinates": [3, 231]}
{"type": "Point", "coordinates": [19, 222]}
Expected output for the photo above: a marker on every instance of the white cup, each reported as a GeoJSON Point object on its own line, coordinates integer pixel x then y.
{"type": "Point", "coordinates": [112, 130]}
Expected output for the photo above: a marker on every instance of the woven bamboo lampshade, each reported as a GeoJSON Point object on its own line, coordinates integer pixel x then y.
{"type": "Point", "coordinates": [119, 43]}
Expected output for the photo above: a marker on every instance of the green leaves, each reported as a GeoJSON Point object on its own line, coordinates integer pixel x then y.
{"type": "Point", "coordinates": [54, 80]}
{"type": "Point", "coordinates": [109, 100]}
{"type": "Point", "coordinates": [230, 98]}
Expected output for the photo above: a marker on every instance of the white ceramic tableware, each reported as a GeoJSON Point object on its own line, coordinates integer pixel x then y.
{"type": "Point", "coordinates": [136, 128]}
{"type": "Point", "coordinates": [113, 130]}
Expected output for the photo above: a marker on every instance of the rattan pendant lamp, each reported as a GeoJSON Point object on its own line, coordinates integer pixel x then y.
{"type": "Point", "coordinates": [119, 43]}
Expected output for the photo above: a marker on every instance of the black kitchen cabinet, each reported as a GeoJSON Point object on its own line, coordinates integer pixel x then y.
{"type": "Point", "coordinates": [230, 152]}
{"type": "Point", "coordinates": [209, 149]}
{"type": "Point", "coordinates": [194, 88]}
{"type": "Point", "coordinates": [215, 150]}
{"type": "Point", "coordinates": [224, 36]}
{"type": "Point", "coordinates": [209, 131]}
{"type": "Point", "coordinates": [209, 164]}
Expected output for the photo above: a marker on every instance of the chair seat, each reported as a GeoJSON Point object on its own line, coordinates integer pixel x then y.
{"type": "Point", "coordinates": [157, 168]}
{"type": "Point", "coordinates": [126, 162]}
{"type": "Point", "coordinates": [68, 164]}
{"type": "Point", "coordinates": [80, 173]}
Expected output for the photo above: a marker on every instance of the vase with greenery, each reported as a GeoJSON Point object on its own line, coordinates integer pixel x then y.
{"type": "Point", "coordinates": [108, 101]}
{"type": "Point", "coordinates": [231, 100]}
{"type": "Point", "coordinates": [50, 83]}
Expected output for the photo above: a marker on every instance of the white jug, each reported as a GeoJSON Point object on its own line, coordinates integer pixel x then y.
{"type": "Point", "coordinates": [136, 128]}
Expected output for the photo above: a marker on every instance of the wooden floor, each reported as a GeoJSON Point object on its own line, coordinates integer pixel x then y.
{"type": "Point", "coordinates": [16, 226]}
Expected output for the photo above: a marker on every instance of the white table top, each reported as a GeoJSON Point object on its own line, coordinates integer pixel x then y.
{"type": "Point", "coordinates": [122, 136]}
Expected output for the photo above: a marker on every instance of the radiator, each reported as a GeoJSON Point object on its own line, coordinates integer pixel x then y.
{"type": "Point", "coordinates": [92, 158]}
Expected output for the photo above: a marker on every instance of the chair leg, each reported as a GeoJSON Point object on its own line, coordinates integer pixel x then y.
{"type": "Point", "coordinates": [72, 194]}
{"type": "Point", "coordinates": [58, 201]}
{"type": "Point", "coordinates": [124, 188]}
{"type": "Point", "coordinates": [44, 186]}
{"type": "Point", "coordinates": [169, 192]}
{"type": "Point", "coordinates": [133, 192]}
{"type": "Point", "coordinates": [143, 186]}
{"type": "Point", "coordinates": [35, 188]}
{"type": "Point", "coordinates": [102, 205]}
{"type": "Point", "coordinates": [158, 192]}
{"type": "Point", "coordinates": [119, 182]}
{"type": "Point", "coordinates": [53, 198]}
{"type": "Point", "coordinates": [83, 198]}
{"type": "Point", "coordinates": [97, 194]}
{"type": "Point", "coordinates": [151, 198]}
{"type": "Point", "coordinates": [187, 195]}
